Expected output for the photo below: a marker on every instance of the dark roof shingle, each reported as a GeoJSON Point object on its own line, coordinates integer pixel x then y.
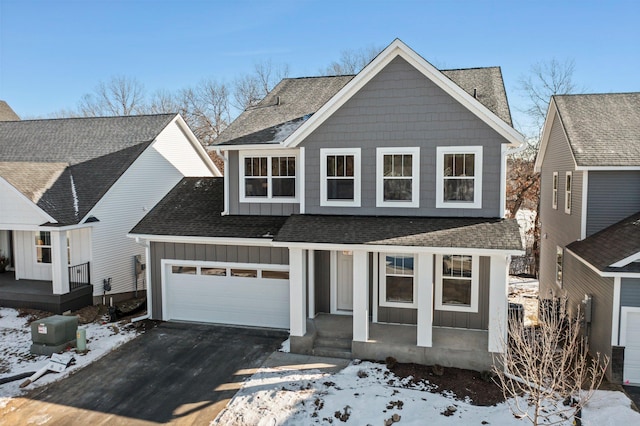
{"type": "Point", "coordinates": [603, 129]}
{"type": "Point", "coordinates": [610, 245]}
{"type": "Point", "coordinates": [83, 158]}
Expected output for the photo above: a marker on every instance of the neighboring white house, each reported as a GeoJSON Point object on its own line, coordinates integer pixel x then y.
{"type": "Point", "coordinates": [72, 188]}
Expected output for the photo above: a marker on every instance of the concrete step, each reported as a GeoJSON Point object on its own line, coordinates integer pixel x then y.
{"type": "Point", "coordinates": [335, 333]}
{"type": "Point", "coordinates": [332, 342]}
{"type": "Point", "coordinates": [332, 352]}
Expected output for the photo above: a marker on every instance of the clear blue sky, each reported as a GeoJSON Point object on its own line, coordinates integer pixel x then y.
{"type": "Point", "coordinates": [53, 52]}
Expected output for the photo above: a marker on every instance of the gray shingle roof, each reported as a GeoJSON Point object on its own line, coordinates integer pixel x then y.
{"type": "Point", "coordinates": [96, 151]}
{"type": "Point", "coordinates": [496, 234]}
{"type": "Point", "coordinates": [290, 101]}
{"type": "Point", "coordinates": [294, 100]}
{"type": "Point", "coordinates": [7, 113]}
{"type": "Point", "coordinates": [603, 129]}
{"type": "Point", "coordinates": [488, 85]}
{"type": "Point", "coordinates": [193, 208]}
{"type": "Point", "coordinates": [611, 245]}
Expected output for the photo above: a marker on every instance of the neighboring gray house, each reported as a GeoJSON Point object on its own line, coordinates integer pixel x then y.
{"type": "Point", "coordinates": [70, 191]}
{"type": "Point", "coordinates": [362, 213]}
{"type": "Point", "coordinates": [589, 162]}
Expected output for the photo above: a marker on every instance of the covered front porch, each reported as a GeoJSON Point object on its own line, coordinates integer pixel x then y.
{"type": "Point", "coordinates": [38, 294]}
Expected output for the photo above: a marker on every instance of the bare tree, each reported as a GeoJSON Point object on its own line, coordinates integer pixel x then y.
{"type": "Point", "coordinates": [205, 108]}
{"type": "Point", "coordinates": [352, 61]}
{"type": "Point", "coordinates": [119, 96]}
{"type": "Point", "coordinates": [252, 88]}
{"type": "Point", "coordinates": [546, 373]}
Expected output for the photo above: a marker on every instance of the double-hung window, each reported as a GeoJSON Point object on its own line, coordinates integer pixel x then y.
{"type": "Point", "coordinates": [567, 193]}
{"type": "Point", "coordinates": [340, 177]}
{"type": "Point", "coordinates": [554, 191]}
{"type": "Point", "coordinates": [43, 246]}
{"type": "Point", "coordinates": [397, 283]}
{"type": "Point", "coordinates": [559, 256]}
{"type": "Point", "coordinates": [459, 177]}
{"type": "Point", "coordinates": [268, 178]}
{"type": "Point", "coordinates": [398, 177]}
{"type": "Point", "coordinates": [457, 283]}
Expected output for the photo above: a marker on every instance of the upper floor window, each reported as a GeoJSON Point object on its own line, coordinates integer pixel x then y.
{"type": "Point", "coordinates": [268, 178]}
{"type": "Point", "coordinates": [459, 177]}
{"type": "Point", "coordinates": [457, 283]}
{"type": "Point", "coordinates": [554, 191]}
{"type": "Point", "coordinates": [398, 177]}
{"type": "Point", "coordinates": [340, 177]}
{"type": "Point", "coordinates": [567, 193]}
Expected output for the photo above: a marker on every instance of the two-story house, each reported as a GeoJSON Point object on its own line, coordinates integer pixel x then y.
{"type": "Point", "coordinates": [362, 213]}
{"type": "Point", "coordinates": [589, 162]}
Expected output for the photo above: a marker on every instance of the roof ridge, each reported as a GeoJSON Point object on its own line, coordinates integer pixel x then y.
{"type": "Point", "coordinates": [166, 114]}
{"type": "Point", "coordinates": [596, 94]}
{"type": "Point", "coordinates": [470, 68]}
{"type": "Point", "coordinates": [318, 76]}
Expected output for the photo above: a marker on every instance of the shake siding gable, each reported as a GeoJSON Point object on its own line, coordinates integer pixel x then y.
{"type": "Point", "coordinates": [613, 195]}
{"type": "Point", "coordinates": [558, 227]}
{"type": "Point", "coordinates": [137, 191]}
{"type": "Point", "coordinates": [400, 107]}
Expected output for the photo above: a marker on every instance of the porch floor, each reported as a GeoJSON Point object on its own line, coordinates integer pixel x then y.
{"type": "Point", "coordinates": [451, 347]}
{"type": "Point", "coordinates": [34, 294]}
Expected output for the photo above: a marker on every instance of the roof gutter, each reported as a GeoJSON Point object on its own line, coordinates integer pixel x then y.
{"type": "Point", "coordinates": [225, 173]}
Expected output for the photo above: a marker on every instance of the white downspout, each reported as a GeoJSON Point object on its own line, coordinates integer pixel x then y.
{"type": "Point", "coordinates": [225, 159]}
{"type": "Point", "coordinates": [147, 278]}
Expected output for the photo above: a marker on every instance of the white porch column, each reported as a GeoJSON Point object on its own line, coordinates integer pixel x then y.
{"type": "Point", "coordinates": [360, 296]}
{"type": "Point", "coordinates": [297, 294]}
{"type": "Point", "coordinates": [311, 282]}
{"type": "Point", "coordinates": [498, 302]}
{"type": "Point", "coordinates": [425, 299]}
{"type": "Point", "coordinates": [59, 262]}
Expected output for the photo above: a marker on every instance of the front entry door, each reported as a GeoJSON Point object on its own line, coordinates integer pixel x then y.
{"type": "Point", "coordinates": [345, 282]}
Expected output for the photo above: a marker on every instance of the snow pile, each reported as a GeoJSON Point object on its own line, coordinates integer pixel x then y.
{"type": "Point", "coordinates": [368, 393]}
{"type": "Point", "coordinates": [15, 358]}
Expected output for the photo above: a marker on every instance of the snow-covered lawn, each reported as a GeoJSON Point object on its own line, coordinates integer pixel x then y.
{"type": "Point", "coordinates": [368, 393]}
{"type": "Point", "coordinates": [15, 358]}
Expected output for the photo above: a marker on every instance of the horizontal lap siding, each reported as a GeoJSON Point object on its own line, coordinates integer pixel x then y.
{"type": "Point", "coordinates": [579, 280]}
{"type": "Point", "coordinates": [612, 197]}
{"type": "Point", "coordinates": [558, 228]}
{"type": "Point", "coordinates": [209, 253]}
{"type": "Point", "coordinates": [400, 107]}
{"type": "Point", "coordinates": [630, 292]}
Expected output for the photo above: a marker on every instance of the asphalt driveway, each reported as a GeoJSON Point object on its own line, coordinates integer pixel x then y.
{"type": "Point", "coordinates": [175, 373]}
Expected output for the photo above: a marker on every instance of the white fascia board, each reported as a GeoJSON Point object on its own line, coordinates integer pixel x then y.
{"type": "Point", "coordinates": [204, 155]}
{"type": "Point", "coordinates": [260, 242]}
{"type": "Point", "coordinates": [23, 227]}
{"type": "Point", "coordinates": [552, 110]}
{"type": "Point", "coordinates": [608, 168]}
{"type": "Point", "coordinates": [395, 49]}
{"type": "Point", "coordinates": [397, 249]}
{"type": "Point", "coordinates": [33, 205]}
{"type": "Point", "coordinates": [627, 260]}
{"type": "Point", "coordinates": [605, 274]}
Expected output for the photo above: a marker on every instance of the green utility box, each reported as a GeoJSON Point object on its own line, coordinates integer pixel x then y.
{"type": "Point", "coordinates": [53, 334]}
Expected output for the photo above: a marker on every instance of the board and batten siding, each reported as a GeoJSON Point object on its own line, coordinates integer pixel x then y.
{"type": "Point", "coordinates": [558, 227]}
{"type": "Point", "coordinates": [261, 209]}
{"type": "Point", "coordinates": [579, 280]}
{"type": "Point", "coordinates": [400, 107]}
{"type": "Point", "coordinates": [612, 196]}
{"type": "Point", "coordinates": [151, 176]}
{"type": "Point", "coordinates": [207, 253]}
{"type": "Point", "coordinates": [25, 258]}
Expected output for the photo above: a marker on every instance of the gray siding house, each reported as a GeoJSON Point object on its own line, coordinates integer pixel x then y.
{"type": "Point", "coordinates": [365, 214]}
{"type": "Point", "coordinates": [590, 198]}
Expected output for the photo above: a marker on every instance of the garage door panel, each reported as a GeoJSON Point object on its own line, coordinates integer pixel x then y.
{"type": "Point", "coordinates": [234, 300]}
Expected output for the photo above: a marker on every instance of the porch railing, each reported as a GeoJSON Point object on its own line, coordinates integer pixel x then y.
{"type": "Point", "coordinates": [79, 275]}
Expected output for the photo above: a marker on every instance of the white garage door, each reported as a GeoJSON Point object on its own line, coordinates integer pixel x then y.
{"type": "Point", "coordinates": [631, 335]}
{"type": "Point", "coordinates": [226, 293]}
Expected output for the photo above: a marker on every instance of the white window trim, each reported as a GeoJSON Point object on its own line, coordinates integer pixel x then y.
{"type": "Point", "coordinates": [475, 287]}
{"type": "Point", "coordinates": [477, 181]}
{"type": "Point", "coordinates": [324, 153]}
{"type": "Point", "coordinates": [567, 192]}
{"type": "Point", "coordinates": [559, 250]}
{"type": "Point", "coordinates": [415, 179]}
{"type": "Point", "coordinates": [554, 191]}
{"type": "Point", "coordinates": [382, 287]}
{"type": "Point", "coordinates": [269, 198]}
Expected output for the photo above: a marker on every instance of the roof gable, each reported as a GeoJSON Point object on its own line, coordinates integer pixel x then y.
{"type": "Point", "coordinates": [394, 50]}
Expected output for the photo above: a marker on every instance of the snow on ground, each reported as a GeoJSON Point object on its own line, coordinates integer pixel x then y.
{"type": "Point", "coordinates": [368, 393]}
{"type": "Point", "coordinates": [15, 358]}
{"type": "Point", "coordinates": [525, 291]}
